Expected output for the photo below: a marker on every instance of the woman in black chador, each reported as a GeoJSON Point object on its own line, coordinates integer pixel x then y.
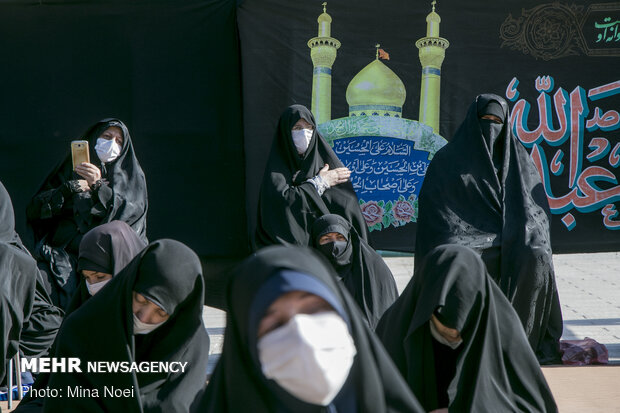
{"type": "Point", "coordinates": [71, 202]}
{"type": "Point", "coordinates": [296, 342]}
{"type": "Point", "coordinates": [28, 320]}
{"type": "Point", "coordinates": [303, 180]}
{"type": "Point", "coordinates": [359, 267]}
{"type": "Point", "coordinates": [458, 342]}
{"type": "Point", "coordinates": [151, 311]}
{"type": "Point", "coordinates": [482, 190]}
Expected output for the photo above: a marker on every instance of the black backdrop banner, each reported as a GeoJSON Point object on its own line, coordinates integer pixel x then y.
{"type": "Point", "coordinates": [375, 76]}
{"type": "Point", "coordinates": [169, 69]}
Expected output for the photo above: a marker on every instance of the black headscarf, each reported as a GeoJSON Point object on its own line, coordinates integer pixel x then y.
{"type": "Point", "coordinates": [238, 384]}
{"type": "Point", "coordinates": [107, 248]}
{"type": "Point", "coordinates": [29, 320]}
{"type": "Point", "coordinates": [495, 370]}
{"type": "Point", "coordinates": [361, 269]}
{"type": "Point", "coordinates": [288, 205]}
{"type": "Point", "coordinates": [58, 220]}
{"type": "Point", "coordinates": [17, 283]}
{"type": "Point", "coordinates": [168, 273]}
{"type": "Point", "coordinates": [482, 190]}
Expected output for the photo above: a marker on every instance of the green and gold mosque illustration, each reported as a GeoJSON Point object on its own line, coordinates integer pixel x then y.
{"type": "Point", "coordinates": [387, 154]}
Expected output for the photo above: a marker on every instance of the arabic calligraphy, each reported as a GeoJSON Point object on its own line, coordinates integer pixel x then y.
{"type": "Point", "coordinates": [563, 121]}
{"type": "Point", "coordinates": [608, 30]}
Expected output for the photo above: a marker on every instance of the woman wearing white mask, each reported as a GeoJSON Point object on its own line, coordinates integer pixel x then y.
{"type": "Point", "coordinates": [150, 312]}
{"type": "Point", "coordinates": [296, 342]}
{"type": "Point", "coordinates": [304, 179]}
{"type": "Point", "coordinates": [459, 343]}
{"type": "Point", "coordinates": [71, 202]}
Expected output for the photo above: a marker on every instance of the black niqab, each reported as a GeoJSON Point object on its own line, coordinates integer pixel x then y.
{"type": "Point", "coordinates": [58, 224]}
{"type": "Point", "coordinates": [288, 205]}
{"type": "Point", "coordinates": [365, 275]}
{"type": "Point", "coordinates": [238, 385]}
{"type": "Point", "coordinates": [102, 330]}
{"type": "Point", "coordinates": [497, 206]}
{"type": "Point", "coordinates": [496, 370]}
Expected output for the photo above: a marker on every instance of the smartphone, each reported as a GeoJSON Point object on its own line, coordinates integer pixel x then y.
{"type": "Point", "coordinates": [79, 152]}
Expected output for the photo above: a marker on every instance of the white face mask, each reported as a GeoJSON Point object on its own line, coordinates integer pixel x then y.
{"type": "Point", "coordinates": [301, 139]}
{"type": "Point", "coordinates": [310, 356]}
{"type": "Point", "coordinates": [437, 336]}
{"type": "Point", "coordinates": [144, 328]}
{"type": "Point", "coordinates": [95, 287]}
{"type": "Point", "coordinates": [107, 149]}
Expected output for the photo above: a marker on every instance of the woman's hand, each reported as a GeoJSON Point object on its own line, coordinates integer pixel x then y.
{"type": "Point", "coordinates": [335, 176]}
{"type": "Point", "coordinates": [89, 172]}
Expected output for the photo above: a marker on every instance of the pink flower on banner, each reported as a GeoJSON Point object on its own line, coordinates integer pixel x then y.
{"type": "Point", "coordinates": [403, 211]}
{"type": "Point", "coordinates": [372, 212]}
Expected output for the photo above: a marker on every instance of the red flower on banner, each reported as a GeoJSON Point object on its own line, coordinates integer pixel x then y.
{"type": "Point", "coordinates": [403, 211]}
{"type": "Point", "coordinates": [372, 212]}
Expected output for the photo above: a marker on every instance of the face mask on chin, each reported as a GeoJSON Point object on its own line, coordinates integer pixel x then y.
{"type": "Point", "coordinates": [94, 288]}
{"type": "Point", "coordinates": [107, 149]}
{"type": "Point", "coordinates": [301, 139]}
{"type": "Point", "coordinates": [310, 356]}
{"type": "Point", "coordinates": [144, 328]}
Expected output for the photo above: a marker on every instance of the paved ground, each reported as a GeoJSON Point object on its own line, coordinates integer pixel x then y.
{"type": "Point", "coordinates": [589, 286]}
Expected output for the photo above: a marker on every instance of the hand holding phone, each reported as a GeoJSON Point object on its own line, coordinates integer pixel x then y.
{"type": "Point", "coordinates": [79, 153]}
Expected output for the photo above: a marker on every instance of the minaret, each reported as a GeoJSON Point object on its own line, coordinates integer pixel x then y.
{"type": "Point", "coordinates": [432, 52]}
{"type": "Point", "coordinates": [323, 52]}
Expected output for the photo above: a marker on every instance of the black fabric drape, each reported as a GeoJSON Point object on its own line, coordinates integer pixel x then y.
{"type": "Point", "coordinates": [363, 272]}
{"type": "Point", "coordinates": [288, 205]}
{"type": "Point", "coordinates": [238, 385]}
{"type": "Point", "coordinates": [29, 319]}
{"type": "Point", "coordinates": [102, 330]}
{"type": "Point", "coordinates": [58, 218]}
{"type": "Point", "coordinates": [496, 370]}
{"type": "Point", "coordinates": [496, 205]}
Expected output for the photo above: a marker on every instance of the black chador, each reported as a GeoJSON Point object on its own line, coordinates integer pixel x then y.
{"type": "Point", "coordinates": [238, 384]}
{"type": "Point", "coordinates": [60, 213]}
{"type": "Point", "coordinates": [482, 190]}
{"type": "Point", "coordinates": [289, 203]}
{"type": "Point", "coordinates": [488, 366]}
{"type": "Point", "coordinates": [359, 267]}
{"type": "Point", "coordinates": [168, 274]}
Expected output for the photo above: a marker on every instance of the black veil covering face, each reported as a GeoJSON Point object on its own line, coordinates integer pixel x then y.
{"type": "Point", "coordinates": [361, 269]}
{"type": "Point", "coordinates": [168, 273]}
{"type": "Point", "coordinates": [482, 190]}
{"type": "Point", "coordinates": [238, 384]}
{"type": "Point", "coordinates": [58, 218]}
{"type": "Point", "coordinates": [29, 320]}
{"type": "Point", "coordinates": [495, 370]}
{"type": "Point", "coordinates": [288, 205]}
{"type": "Point", "coordinates": [107, 248]}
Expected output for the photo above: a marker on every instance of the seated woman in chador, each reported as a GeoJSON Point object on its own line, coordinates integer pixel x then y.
{"type": "Point", "coordinates": [459, 343]}
{"type": "Point", "coordinates": [70, 202]}
{"type": "Point", "coordinates": [303, 180]}
{"type": "Point", "coordinates": [359, 267]}
{"type": "Point", "coordinates": [151, 311]}
{"type": "Point", "coordinates": [296, 342]}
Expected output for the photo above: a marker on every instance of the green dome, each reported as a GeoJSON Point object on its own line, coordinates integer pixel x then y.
{"type": "Point", "coordinates": [376, 87]}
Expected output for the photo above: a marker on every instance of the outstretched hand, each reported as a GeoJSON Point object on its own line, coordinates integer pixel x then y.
{"type": "Point", "coordinates": [335, 176]}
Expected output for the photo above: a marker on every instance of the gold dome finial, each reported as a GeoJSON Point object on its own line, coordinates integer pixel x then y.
{"type": "Point", "coordinates": [377, 54]}
{"type": "Point", "coordinates": [324, 7]}
{"type": "Point", "coordinates": [432, 4]}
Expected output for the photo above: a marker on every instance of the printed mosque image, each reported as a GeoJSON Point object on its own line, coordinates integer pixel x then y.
{"type": "Point", "coordinates": [387, 154]}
